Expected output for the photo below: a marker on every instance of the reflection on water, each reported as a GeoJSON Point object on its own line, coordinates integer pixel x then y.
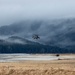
{"type": "Point", "coordinates": [23, 57]}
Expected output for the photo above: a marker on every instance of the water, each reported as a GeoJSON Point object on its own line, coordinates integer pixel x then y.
{"type": "Point", "coordinates": [24, 57]}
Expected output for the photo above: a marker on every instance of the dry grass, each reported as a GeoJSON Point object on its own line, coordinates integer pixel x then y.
{"type": "Point", "coordinates": [59, 67]}
{"type": "Point", "coordinates": [36, 72]}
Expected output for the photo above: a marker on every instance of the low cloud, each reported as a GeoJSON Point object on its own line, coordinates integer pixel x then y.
{"type": "Point", "coordinates": [16, 10]}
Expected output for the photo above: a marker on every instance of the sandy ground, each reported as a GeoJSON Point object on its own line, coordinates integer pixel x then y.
{"type": "Point", "coordinates": [55, 67]}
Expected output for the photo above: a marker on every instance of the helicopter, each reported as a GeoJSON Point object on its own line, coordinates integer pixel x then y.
{"type": "Point", "coordinates": [36, 36]}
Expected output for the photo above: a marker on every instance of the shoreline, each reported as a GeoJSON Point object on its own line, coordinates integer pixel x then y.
{"type": "Point", "coordinates": [34, 67]}
{"type": "Point", "coordinates": [35, 57]}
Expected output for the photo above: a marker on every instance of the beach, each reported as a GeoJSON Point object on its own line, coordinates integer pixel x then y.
{"type": "Point", "coordinates": [64, 66]}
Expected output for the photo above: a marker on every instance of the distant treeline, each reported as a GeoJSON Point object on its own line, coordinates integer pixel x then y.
{"type": "Point", "coordinates": [18, 48]}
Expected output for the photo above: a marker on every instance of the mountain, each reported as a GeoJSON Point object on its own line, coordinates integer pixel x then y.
{"type": "Point", "coordinates": [21, 27]}
{"type": "Point", "coordinates": [16, 40]}
{"type": "Point", "coordinates": [15, 44]}
{"type": "Point", "coordinates": [55, 33]}
{"type": "Point", "coordinates": [65, 35]}
{"type": "Point", "coordinates": [19, 40]}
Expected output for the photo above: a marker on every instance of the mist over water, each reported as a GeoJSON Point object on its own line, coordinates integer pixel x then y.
{"type": "Point", "coordinates": [25, 57]}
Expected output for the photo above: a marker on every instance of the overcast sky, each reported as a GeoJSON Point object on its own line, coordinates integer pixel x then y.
{"type": "Point", "coordinates": [15, 10]}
